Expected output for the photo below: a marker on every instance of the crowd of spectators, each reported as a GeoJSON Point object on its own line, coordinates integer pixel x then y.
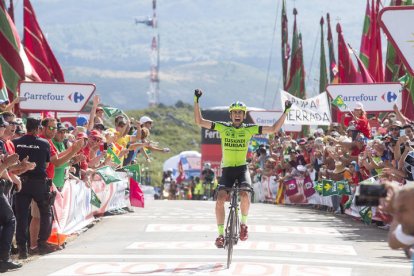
{"type": "Point", "coordinates": [38, 155]}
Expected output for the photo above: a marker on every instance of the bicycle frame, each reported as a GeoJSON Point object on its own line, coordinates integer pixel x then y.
{"type": "Point", "coordinates": [232, 230]}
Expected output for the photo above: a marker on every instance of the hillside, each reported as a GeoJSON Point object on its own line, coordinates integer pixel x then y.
{"type": "Point", "coordinates": [220, 46]}
{"type": "Point", "coordinates": [173, 127]}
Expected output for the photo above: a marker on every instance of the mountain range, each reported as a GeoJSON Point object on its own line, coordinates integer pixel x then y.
{"type": "Point", "coordinates": [228, 48]}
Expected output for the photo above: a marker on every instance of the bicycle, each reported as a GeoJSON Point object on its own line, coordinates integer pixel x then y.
{"type": "Point", "coordinates": [232, 230]}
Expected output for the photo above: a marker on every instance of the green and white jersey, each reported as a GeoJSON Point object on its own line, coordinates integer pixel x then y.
{"type": "Point", "coordinates": [235, 141]}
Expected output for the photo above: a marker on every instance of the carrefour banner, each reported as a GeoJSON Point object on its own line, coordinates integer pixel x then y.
{"type": "Point", "coordinates": [374, 96]}
{"type": "Point", "coordinates": [312, 111]}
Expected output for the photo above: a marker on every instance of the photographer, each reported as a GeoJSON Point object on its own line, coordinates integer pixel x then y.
{"type": "Point", "coordinates": [400, 203]}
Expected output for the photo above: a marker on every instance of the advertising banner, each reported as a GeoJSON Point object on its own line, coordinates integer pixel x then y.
{"type": "Point", "coordinates": [68, 97]}
{"type": "Point", "coordinates": [374, 96]}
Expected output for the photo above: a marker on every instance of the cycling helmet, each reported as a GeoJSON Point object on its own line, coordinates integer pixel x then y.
{"type": "Point", "coordinates": [238, 106]}
{"type": "Point", "coordinates": [207, 165]}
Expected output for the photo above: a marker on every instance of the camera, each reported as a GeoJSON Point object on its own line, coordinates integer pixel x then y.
{"type": "Point", "coordinates": [369, 194]}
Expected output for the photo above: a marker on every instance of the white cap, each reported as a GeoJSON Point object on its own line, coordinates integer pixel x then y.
{"type": "Point", "coordinates": [144, 119]}
{"type": "Point", "coordinates": [301, 168]}
{"type": "Point", "coordinates": [359, 105]}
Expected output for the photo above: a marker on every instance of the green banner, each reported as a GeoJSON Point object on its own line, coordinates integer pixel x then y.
{"type": "Point", "coordinates": [95, 201]}
{"type": "Point", "coordinates": [343, 187]}
{"type": "Point", "coordinates": [113, 156]}
{"type": "Point", "coordinates": [135, 169]}
{"type": "Point", "coordinates": [108, 174]}
{"type": "Point", "coordinates": [319, 187]}
{"type": "Point", "coordinates": [366, 215]}
{"type": "Point", "coordinates": [339, 102]}
{"type": "Point", "coordinates": [329, 187]}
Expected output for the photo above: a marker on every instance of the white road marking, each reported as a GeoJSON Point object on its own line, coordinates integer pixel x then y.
{"type": "Point", "coordinates": [335, 249]}
{"type": "Point", "coordinates": [303, 230]}
{"type": "Point", "coordinates": [219, 257]}
{"type": "Point", "coordinates": [197, 268]}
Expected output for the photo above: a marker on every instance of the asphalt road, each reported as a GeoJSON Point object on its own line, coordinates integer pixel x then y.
{"type": "Point", "coordinates": [177, 237]}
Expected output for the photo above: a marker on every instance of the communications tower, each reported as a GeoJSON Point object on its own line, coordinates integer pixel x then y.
{"type": "Point", "coordinates": [154, 88]}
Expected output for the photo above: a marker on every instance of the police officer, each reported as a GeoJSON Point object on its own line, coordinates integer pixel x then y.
{"type": "Point", "coordinates": [35, 185]}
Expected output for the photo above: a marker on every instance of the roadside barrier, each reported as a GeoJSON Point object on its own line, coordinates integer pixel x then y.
{"type": "Point", "coordinates": [75, 207]}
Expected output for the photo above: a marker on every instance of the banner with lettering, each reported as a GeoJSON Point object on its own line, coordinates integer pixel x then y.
{"type": "Point", "coordinates": [312, 111]}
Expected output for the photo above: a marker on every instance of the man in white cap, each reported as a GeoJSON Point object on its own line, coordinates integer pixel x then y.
{"type": "Point", "coordinates": [146, 121]}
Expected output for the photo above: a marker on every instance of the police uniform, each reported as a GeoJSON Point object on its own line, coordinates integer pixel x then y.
{"type": "Point", "coordinates": [36, 186]}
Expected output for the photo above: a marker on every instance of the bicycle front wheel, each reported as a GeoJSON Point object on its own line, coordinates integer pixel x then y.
{"type": "Point", "coordinates": [231, 232]}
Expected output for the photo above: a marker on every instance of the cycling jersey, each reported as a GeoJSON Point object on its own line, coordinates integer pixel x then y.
{"type": "Point", "coordinates": [235, 141]}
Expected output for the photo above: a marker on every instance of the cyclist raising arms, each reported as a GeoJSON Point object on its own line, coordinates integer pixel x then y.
{"type": "Point", "coordinates": [235, 137]}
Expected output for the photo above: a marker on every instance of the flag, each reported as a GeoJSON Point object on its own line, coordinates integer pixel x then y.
{"type": "Point", "coordinates": [112, 111]}
{"type": "Point", "coordinates": [12, 65]}
{"type": "Point", "coordinates": [285, 44]}
{"type": "Point", "coordinates": [364, 75]}
{"type": "Point", "coordinates": [296, 79]}
{"type": "Point", "coordinates": [95, 201]}
{"type": "Point", "coordinates": [348, 204]}
{"type": "Point", "coordinates": [135, 169]}
{"type": "Point", "coordinates": [408, 97]}
{"type": "Point", "coordinates": [3, 90]}
{"type": "Point", "coordinates": [347, 71]}
{"type": "Point", "coordinates": [108, 174]}
{"type": "Point", "coordinates": [181, 173]}
{"type": "Point", "coordinates": [365, 39]}
{"type": "Point", "coordinates": [113, 156]}
{"type": "Point", "coordinates": [37, 48]}
{"type": "Point", "coordinates": [333, 67]}
{"type": "Point", "coordinates": [308, 188]}
{"type": "Point", "coordinates": [366, 215]}
{"type": "Point", "coordinates": [319, 187]}
{"type": "Point", "coordinates": [339, 102]}
{"type": "Point", "coordinates": [343, 187]}
{"type": "Point", "coordinates": [329, 188]}
{"type": "Point", "coordinates": [375, 61]}
{"type": "Point", "coordinates": [323, 76]}
{"type": "Point", "coordinates": [136, 196]}
{"type": "Point", "coordinates": [291, 187]}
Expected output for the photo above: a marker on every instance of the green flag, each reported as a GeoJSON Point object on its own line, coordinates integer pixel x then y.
{"type": "Point", "coordinates": [339, 102]}
{"type": "Point", "coordinates": [113, 156]}
{"type": "Point", "coordinates": [135, 169]}
{"type": "Point", "coordinates": [343, 187]}
{"type": "Point", "coordinates": [108, 174]}
{"type": "Point", "coordinates": [95, 201]}
{"type": "Point", "coordinates": [329, 188]}
{"type": "Point", "coordinates": [366, 215]}
{"type": "Point", "coordinates": [319, 187]}
{"type": "Point", "coordinates": [112, 111]}
{"type": "Point", "coordinates": [348, 204]}
{"type": "Point", "coordinates": [323, 76]}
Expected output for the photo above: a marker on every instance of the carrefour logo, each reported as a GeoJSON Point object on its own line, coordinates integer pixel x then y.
{"type": "Point", "coordinates": [76, 97]}
{"type": "Point", "coordinates": [389, 97]}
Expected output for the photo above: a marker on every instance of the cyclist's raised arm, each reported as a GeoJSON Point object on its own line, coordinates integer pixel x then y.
{"type": "Point", "coordinates": [279, 123]}
{"type": "Point", "coordinates": [197, 112]}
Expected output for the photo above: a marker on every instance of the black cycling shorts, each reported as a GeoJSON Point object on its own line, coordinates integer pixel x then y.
{"type": "Point", "coordinates": [231, 174]}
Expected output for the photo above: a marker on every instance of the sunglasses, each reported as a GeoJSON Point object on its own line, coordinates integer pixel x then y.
{"type": "Point", "coordinates": [121, 125]}
{"type": "Point", "coordinates": [52, 128]}
{"type": "Point", "coordinates": [394, 128]}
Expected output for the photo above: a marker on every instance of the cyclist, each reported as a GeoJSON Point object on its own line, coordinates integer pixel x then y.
{"type": "Point", "coordinates": [235, 137]}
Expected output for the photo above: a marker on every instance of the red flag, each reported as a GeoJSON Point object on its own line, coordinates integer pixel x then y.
{"type": "Point", "coordinates": [136, 196]}
{"type": "Point", "coordinates": [295, 84]}
{"type": "Point", "coordinates": [38, 50]}
{"type": "Point", "coordinates": [333, 67]}
{"type": "Point", "coordinates": [346, 69]}
{"type": "Point", "coordinates": [365, 39]}
{"type": "Point", "coordinates": [12, 65]}
{"type": "Point", "coordinates": [181, 173]}
{"type": "Point", "coordinates": [364, 76]}
{"type": "Point", "coordinates": [375, 68]}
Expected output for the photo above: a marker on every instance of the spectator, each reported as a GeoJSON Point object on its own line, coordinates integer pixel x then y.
{"type": "Point", "coordinates": [361, 121]}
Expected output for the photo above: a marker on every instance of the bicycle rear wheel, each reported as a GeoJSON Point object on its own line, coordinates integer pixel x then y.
{"type": "Point", "coordinates": [230, 237]}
